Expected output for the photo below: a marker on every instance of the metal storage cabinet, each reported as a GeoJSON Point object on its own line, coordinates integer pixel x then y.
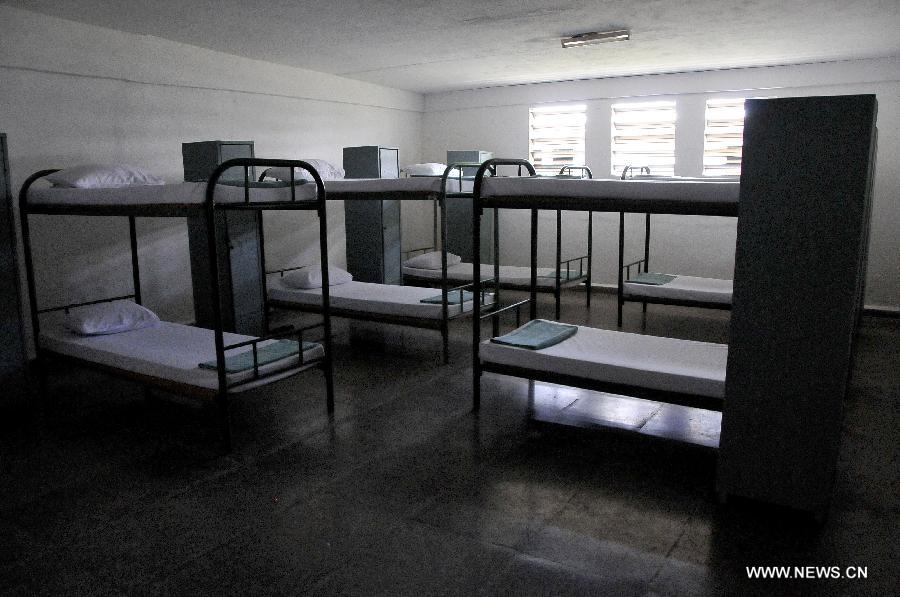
{"type": "Point", "coordinates": [800, 262]}
{"type": "Point", "coordinates": [12, 351]}
{"type": "Point", "coordinates": [373, 225]}
{"type": "Point", "coordinates": [239, 245]}
{"type": "Point", "coordinates": [459, 213]}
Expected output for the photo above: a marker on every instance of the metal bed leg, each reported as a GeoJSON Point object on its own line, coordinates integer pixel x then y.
{"type": "Point", "coordinates": [619, 291]}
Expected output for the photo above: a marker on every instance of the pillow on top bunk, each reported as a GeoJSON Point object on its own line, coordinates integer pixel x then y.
{"type": "Point", "coordinates": [432, 260]}
{"type": "Point", "coordinates": [427, 169]}
{"type": "Point", "coordinates": [110, 318]}
{"type": "Point", "coordinates": [311, 277]}
{"type": "Point", "coordinates": [326, 170]}
{"type": "Point", "coordinates": [100, 176]}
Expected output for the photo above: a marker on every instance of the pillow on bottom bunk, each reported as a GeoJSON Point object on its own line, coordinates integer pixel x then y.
{"type": "Point", "coordinates": [432, 260]}
{"type": "Point", "coordinates": [311, 277]}
{"type": "Point", "coordinates": [100, 176]}
{"type": "Point", "coordinates": [110, 318]}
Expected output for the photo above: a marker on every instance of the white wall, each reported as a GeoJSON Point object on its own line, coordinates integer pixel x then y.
{"type": "Point", "coordinates": [74, 93]}
{"type": "Point", "coordinates": [496, 119]}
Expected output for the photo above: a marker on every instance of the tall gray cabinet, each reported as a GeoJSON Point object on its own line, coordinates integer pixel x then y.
{"type": "Point", "coordinates": [800, 264]}
{"type": "Point", "coordinates": [12, 339]}
{"type": "Point", "coordinates": [239, 238]}
{"type": "Point", "coordinates": [373, 225]}
{"type": "Point", "coordinates": [459, 212]}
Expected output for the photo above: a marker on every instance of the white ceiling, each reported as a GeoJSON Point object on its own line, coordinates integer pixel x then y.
{"type": "Point", "coordinates": [462, 44]}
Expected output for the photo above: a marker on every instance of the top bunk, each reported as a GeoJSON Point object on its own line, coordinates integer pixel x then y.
{"type": "Point", "coordinates": [410, 188]}
{"type": "Point", "coordinates": [656, 195]}
{"type": "Point", "coordinates": [179, 199]}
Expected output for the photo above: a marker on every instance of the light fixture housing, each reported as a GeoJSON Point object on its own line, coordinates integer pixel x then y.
{"type": "Point", "coordinates": [595, 37]}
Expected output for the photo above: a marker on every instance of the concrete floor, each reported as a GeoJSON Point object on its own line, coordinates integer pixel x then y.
{"type": "Point", "coordinates": [407, 491]}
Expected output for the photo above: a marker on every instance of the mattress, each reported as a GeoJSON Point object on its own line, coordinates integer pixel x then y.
{"type": "Point", "coordinates": [425, 186]}
{"type": "Point", "coordinates": [510, 275]}
{"type": "Point", "coordinates": [651, 362]}
{"type": "Point", "coordinates": [586, 188]}
{"type": "Point", "coordinates": [185, 193]}
{"type": "Point", "coordinates": [170, 351]}
{"type": "Point", "coordinates": [377, 299]}
{"type": "Point", "coordinates": [685, 288]}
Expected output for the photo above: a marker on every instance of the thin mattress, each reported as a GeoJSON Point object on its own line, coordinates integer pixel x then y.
{"type": "Point", "coordinates": [586, 188]}
{"type": "Point", "coordinates": [510, 275]}
{"type": "Point", "coordinates": [652, 362]}
{"type": "Point", "coordinates": [366, 297]}
{"type": "Point", "coordinates": [169, 351]}
{"type": "Point", "coordinates": [685, 288]}
{"type": "Point", "coordinates": [425, 186]}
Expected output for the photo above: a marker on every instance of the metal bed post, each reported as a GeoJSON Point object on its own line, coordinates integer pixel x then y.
{"type": "Point", "coordinates": [619, 291]}
{"type": "Point", "coordinates": [445, 325]}
{"type": "Point", "coordinates": [590, 257]}
{"type": "Point", "coordinates": [328, 361]}
{"type": "Point", "coordinates": [262, 265]}
{"type": "Point", "coordinates": [557, 291]}
{"type": "Point", "coordinates": [646, 251]}
{"type": "Point", "coordinates": [534, 235]}
{"type": "Point", "coordinates": [476, 287]}
{"type": "Point", "coordinates": [135, 265]}
{"type": "Point", "coordinates": [222, 393]}
{"type": "Point", "coordinates": [495, 327]}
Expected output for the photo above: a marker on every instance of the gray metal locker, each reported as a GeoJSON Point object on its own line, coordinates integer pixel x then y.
{"type": "Point", "coordinates": [459, 212]}
{"type": "Point", "coordinates": [373, 225]}
{"type": "Point", "coordinates": [239, 245]}
{"type": "Point", "coordinates": [800, 261]}
{"type": "Point", "coordinates": [12, 338]}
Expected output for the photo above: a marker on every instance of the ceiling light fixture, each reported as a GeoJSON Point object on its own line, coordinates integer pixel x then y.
{"type": "Point", "coordinates": [594, 37]}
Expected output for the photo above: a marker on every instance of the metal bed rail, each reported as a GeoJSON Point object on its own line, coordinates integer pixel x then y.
{"type": "Point", "coordinates": [66, 308]}
{"type": "Point", "coordinates": [283, 334]}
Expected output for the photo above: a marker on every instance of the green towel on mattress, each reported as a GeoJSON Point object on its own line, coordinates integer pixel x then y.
{"type": "Point", "coordinates": [452, 298]}
{"type": "Point", "coordinates": [537, 334]}
{"type": "Point", "coordinates": [652, 279]}
{"type": "Point", "coordinates": [264, 184]}
{"type": "Point", "coordinates": [269, 353]}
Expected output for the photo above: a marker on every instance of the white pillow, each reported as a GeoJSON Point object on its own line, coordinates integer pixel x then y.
{"type": "Point", "coordinates": [427, 169]}
{"type": "Point", "coordinates": [326, 170]}
{"type": "Point", "coordinates": [432, 260]}
{"type": "Point", "coordinates": [99, 176]}
{"type": "Point", "coordinates": [110, 318]}
{"type": "Point", "coordinates": [310, 276]}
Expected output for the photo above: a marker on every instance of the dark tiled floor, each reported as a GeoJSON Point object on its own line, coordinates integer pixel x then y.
{"type": "Point", "coordinates": [406, 491]}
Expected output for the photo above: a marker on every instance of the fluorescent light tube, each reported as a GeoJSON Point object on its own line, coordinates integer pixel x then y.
{"type": "Point", "coordinates": [594, 37]}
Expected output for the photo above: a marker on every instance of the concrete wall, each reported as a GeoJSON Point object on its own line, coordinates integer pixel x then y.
{"type": "Point", "coordinates": [496, 119]}
{"type": "Point", "coordinates": [73, 93]}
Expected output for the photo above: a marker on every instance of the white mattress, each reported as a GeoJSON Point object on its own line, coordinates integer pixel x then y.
{"type": "Point", "coordinates": [170, 351]}
{"type": "Point", "coordinates": [685, 288]}
{"type": "Point", "coordinates": [185, 193]}
{"type": "Point", "coordinates": [424, 185]}
{"type": "Point", "coordinates": [668, 189]}
{"type": "Point", "coordinates": [383, 299]}
{"type": "Point", "coordinates": [652, 362]}
{"type": "Point", "coordinates": [511, 275]}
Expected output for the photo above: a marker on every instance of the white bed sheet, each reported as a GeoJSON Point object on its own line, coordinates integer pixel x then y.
{"type": "Point", "coordinates": [652, 362]}
{"type": "Point", "coordinates": [185, 193]}
{"type": "Point", "coordinates": [425, 185]}
{"type": "Point", "coordinates": [585, 188]}
{"type": "Point", "coordinates": [511, 275]}
{"type": "Point", "coordinates": [686, 288]}
{"type": "Point", "coordinates": [383, 299]}
{"type": "Point", "coordinates": [170, 351]}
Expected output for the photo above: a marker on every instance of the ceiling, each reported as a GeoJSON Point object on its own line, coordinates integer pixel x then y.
{"type": "Point", "coordinates": [462, 44]}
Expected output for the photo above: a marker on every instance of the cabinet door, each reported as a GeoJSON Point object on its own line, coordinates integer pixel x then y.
{"type": "Point", "coordinates": [246, 272]}
{"type": "Point", "coordinates": [365, 237]}
{"type": "Point", "coordinates": [230, 151]}
{"type": "Point", "coordinates": [392, 258]}
{"type": "Point", "coordinates": [390, 162]}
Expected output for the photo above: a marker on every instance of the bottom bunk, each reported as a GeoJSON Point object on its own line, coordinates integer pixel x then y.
{"type": "Point", "coordinates": [675, 289]}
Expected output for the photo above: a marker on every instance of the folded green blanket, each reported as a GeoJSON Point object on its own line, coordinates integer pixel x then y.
{"type": "Point", "coordinates": [263, 184]}
{"type": "Point", "coordinates": [652, 279]}
{"type": "Point", "coordinates": [280, 349]}
{"type": "Point", "coordinates": [537, 334]}
{"type": "Point", "coordinates": [453, 298]}
{"type": "Point", "coordinates": [569, 274]}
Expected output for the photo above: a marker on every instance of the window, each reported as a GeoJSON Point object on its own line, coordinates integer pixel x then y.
{"type": "Point", "coordinates": [723, 137]}
{"type": "Point", "coordinates": [556, 137]}
{"type": "Point", "coordinates": [643, 134]}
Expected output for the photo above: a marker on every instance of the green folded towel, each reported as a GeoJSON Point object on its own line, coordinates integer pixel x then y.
{"type": "Point", "coordinates": [262, 184]}
{"type": "Point", "coordinates": [453, 298]}
{"type": "Point", "coordinates": [537, 334]}
{"type": "Point", "coordinates": [280, 349]}
{"type": "Point", "coordinates": [652, 279]}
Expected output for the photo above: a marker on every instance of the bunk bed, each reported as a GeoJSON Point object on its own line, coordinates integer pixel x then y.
{"type": "Point", "coordinates": [662, 369]}
{"type": "Point", "coordinates": [662, 288]}
{"type": "Point", "coordinates": [568, 273]}
{"type": "Point", "coordinates": [411, 306]}
{"type": "Point", "coordinates": [209, 364]}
